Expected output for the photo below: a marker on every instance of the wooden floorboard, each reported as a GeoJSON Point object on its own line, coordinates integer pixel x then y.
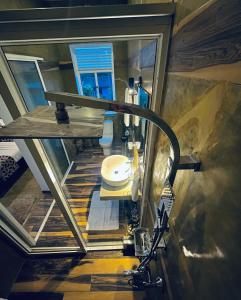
{"type": "Point", "coordinates": [36, 296]}
{"type": "Point", "coordinates": [75, 274]}
{"type": "Point", "coordinates": [120, 295]}
{"type": "Point", "coordinates": [109, 282]}
{"type": "Point", "coordinates": [83, 179]}
{"type": "Point", "coordinates": [97, 275]}
{"type": "Point", "coordinates": [56, 232]}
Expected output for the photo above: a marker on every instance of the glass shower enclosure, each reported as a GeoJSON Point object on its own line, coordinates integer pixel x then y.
{"type": "Point", "coordinates": [71, 161]}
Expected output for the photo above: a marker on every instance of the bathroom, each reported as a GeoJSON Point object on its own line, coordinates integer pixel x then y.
{"type": "Point", "coordinates": [200, 101]}
{"type": "Point", "coordinates": [112, 70]}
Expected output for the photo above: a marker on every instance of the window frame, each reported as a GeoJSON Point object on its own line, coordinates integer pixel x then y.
{"type": "Point", "coordinates": [78, 72]}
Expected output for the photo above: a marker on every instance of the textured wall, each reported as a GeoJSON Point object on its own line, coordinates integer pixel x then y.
{"type": "Point", "coordinates": [204, 108]}
{"type": "Point", "coordinates": [19, 4]}
{"type": "Point", "coordinates": [206, 216]}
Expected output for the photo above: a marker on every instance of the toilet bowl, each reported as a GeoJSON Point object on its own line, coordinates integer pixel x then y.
{"type": "Point", "coordinates": [107, 138]}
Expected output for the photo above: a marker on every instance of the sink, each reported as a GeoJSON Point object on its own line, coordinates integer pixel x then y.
{"type": "Point", "coordinates": [116, 170]}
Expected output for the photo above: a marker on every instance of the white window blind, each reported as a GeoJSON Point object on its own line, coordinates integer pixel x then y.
{"type": "Point", "coordinates": [93, 58]}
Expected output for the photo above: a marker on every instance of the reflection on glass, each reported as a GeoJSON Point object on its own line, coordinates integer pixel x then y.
{"type": "Point", "coordinates": [57, 156]}
{"type": "Point", "coordinates": [20, 191]}
{"type": "Point", "coordinates": [104, 183]}
{"type": "Point", "coordinates": [88, 84]}
{"type": "Point", "coordinates": [144, 98]}
{"type": "Point", "coordinates": [56, 232]}
{"type": "Point", "coordinates": [105, 85]}
{"type": "Point", "coordinates": [27, 78]}
{"type": "Point", "coordinates": [103, 212]}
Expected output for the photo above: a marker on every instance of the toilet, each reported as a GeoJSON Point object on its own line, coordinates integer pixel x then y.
{"type": "Point", "coordinates": [106, 140]}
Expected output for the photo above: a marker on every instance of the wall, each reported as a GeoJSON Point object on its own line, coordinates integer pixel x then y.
{"type": "Point", "coordinates": [202, 103]}
{"type": "Point", "coordinates": [19, 4]}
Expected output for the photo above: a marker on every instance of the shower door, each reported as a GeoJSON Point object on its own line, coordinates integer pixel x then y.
{"type": "Point", "coordinates": [31, 84]}
{"type": "Point", "coordinates": [137, 24]}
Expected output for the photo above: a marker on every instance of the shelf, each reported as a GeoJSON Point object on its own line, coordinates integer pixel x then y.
{"type": "Point", "coordinates": [117, 193]}
{"type": "Point", "coordinates": [41, 123]}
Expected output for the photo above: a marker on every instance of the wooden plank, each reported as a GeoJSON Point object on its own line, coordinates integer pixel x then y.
{"type": "Point", "coordinates": [116, 193]}
{"type": "Point", "coordinates": [36, 296]}
{"type": "Point", "coordinates": [56, 241]}
{"type": "Point", "coordinates": [111, 254]}
{"type": "Point", "coordinates": [120, 295]}
{"type": "Point", "coordinates": [79, 200]}
{"type": "Point", "coordinates": [82, 295]}
{"type": "Point", "coordinates": [81, 186]}
{"type": "Point", "coordinates": [73, 267]}
{"type": "Point", "coordinates": [110, 282]}
{"type": "Point", "coordinates": [79, 210]}
{"type": "Point", "coordinates": [53, 285]}
{"type": "Point", "coordinates": [211, 38]}
{"type": "Point", "coordinates": [80, 204]}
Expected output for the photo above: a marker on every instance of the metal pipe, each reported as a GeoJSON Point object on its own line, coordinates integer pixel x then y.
{"type": "Point", "coordinates": [132, 109]}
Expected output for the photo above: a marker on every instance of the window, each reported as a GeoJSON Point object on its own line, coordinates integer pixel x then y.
{"type": "Point", "coordinates": [94, 71]}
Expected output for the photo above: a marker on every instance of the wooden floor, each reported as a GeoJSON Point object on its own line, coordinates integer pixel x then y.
{"type": "Point", "coordinates": [83, 179]}
{"type": "Point", "coordinates": [77, 278]}
{"type": "Point", "coordinates": [29, 205]}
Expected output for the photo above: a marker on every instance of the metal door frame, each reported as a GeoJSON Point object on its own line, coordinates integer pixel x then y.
{"type": "Point", "coordinates": [85, 24]}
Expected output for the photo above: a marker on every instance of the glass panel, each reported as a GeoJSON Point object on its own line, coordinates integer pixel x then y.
{"type": "Point", "coordinates": [26, 75]}
{"type": "Point", "coordinates": [56, 153]}
{"type": "Point", "coordinates": [30, 85]}
{"type": "Point", "coordinates": [105, 85]}
{"type": "Point", "coordinates": [20, 192]}
{"type": "Point", "coordinates": [104, 211]}
{"type": "Point", "coordinates": [105, 196]}
{"type": "Point", "coordinates": [144, 98]}
{"type": "Point", "coordinates": [88, 84]}
{"type": "Point", "coordinates": [56, 232]}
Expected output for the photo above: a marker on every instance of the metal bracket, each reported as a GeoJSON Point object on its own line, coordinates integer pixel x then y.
{"type": "Point", "coordinates": [189, 162]}
{"type": "Point", "coordinates": [61, 114]}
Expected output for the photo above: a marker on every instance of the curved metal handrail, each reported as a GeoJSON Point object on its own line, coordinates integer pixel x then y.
{"type": "Point", "coordinates": [132, 109]}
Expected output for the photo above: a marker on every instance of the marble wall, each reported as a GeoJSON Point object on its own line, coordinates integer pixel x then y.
{"type": "Point", "coordinates": [202, 103]}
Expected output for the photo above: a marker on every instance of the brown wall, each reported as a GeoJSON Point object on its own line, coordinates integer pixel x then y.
{"type": "Point", "coordinates": [19, 4]}
{"type": "Point", "coordinates": [202, 103]}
